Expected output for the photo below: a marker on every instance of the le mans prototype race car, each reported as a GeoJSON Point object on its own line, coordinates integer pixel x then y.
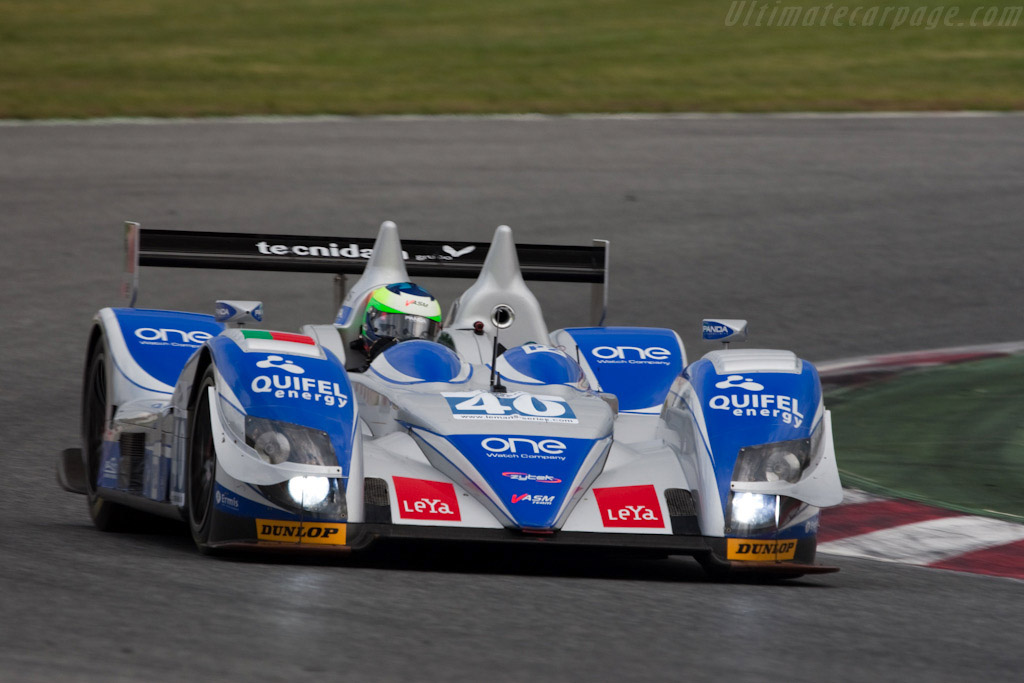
{"type": "Point", "coordinates": [498, 432]}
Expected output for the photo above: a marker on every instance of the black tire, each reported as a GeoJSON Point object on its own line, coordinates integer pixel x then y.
{"type": "Point", "coordinates": [106, 516]}
{"type": "Point", "coordinates": [202, 467]}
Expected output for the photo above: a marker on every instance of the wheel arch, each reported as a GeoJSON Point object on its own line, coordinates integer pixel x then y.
{"type": "Point", "coordinates": [204, 361]}
{"type": "Point", "coordinates": [96, 335]}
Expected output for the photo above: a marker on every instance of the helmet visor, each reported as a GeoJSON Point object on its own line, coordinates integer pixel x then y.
{"type": "Point", "coordinates": [401, 326]}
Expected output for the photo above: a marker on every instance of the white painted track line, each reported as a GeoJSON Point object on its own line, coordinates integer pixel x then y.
{"type": "Point", "coordinates": [927, 542]}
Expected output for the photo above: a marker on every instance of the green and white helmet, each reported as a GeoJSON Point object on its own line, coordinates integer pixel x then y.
{"type": "Point", "coordinates": [399, 312]}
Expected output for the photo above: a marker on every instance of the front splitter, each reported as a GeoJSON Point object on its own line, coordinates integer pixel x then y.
{"type": "Point", "coordinates": [236, 533]}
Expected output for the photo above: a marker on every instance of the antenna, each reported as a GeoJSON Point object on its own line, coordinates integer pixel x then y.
{"type": "Point", "coordinates": [496, 386]}
{"type": "Point", "coordinates": [502, 316]}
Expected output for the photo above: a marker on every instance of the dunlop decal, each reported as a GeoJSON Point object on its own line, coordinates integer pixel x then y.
{"type": "Point", "coordinates": [760, 551]}
{"type": "Point", "coordinates": [307, 533]}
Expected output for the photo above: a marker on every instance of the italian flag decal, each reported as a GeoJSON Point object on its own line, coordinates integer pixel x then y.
{"type": "Point", "coordinates": [277, 336]}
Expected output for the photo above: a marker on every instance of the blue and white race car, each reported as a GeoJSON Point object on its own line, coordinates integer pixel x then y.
{"type": "Point", "coordinates": [501, 431]}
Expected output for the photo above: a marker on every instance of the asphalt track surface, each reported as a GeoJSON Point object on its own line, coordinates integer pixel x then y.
{"type": "Point", "coordinates": [834, 236]}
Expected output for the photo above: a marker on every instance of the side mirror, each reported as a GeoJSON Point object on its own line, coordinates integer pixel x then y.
{"type": "Point", "coordinates": [238, 312]}
{"type": "Point", "coordinates": [725, 331]}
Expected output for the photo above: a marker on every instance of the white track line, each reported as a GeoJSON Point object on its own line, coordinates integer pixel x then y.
{"type": "Point", "coordinates": [924, 543]}
{"type": "Point", "coordinates": [856, 496]}
{"type": "Point", "coordinates": [684, 116]}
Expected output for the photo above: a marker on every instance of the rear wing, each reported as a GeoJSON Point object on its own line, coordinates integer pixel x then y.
{"type": "Point", "coordinates": [341, 256]}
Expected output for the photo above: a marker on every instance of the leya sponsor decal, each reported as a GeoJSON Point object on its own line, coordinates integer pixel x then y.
{"type": "Point", "coordinates": [760, 551]}
{"type": "Point", "coordinates": [751, 403]}
{"type": "Point", "coordinates": [630, 355]}
{"type": "Point", "coordinates": [630, 506]}
{"type": "Point", "coordinates": [291, 385]}
{"type": "Point", "coordinates": [315, 533]}
{"type": "Point", "coordinates": [424, 499]}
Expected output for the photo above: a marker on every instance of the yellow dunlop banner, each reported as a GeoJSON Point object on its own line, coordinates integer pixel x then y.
{"type": "Point", "coordinates": [319, 533]}
{"type": "Point", "coordinates": [760, 551]}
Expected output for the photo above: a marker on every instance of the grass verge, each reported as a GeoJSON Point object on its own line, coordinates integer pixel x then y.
{"type": "Point", "coordinates": [66, 58]}
{"type": "Point", "coordinates": [952, 436]}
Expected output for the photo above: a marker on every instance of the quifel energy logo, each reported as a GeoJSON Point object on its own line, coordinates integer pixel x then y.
{"type": "Point", "coordinates": [752, 403]}
{"type": "Point", "coordinates": [290, 385]}
{"type": "Point", "coordinates": [424, 499]}
{"type": "Point", "coordinates": [630, 506]}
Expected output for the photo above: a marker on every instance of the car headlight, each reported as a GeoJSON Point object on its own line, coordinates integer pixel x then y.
{"type": "Point", "coordinates": [779, 461]}
{"type": "Point", "coordinates": [751, 513]}
{"type": "Point", "coordinates": [309, 492]}
{"type": "Point", "coordinates": [312, 497]}
{"type": "Point", "coordinates": [277, 442]}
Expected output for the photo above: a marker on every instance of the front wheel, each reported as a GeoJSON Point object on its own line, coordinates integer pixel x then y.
{"type": "Point", "coordinates": [106, 516]}
{"type": "Point", "coordinates": [202, 467]}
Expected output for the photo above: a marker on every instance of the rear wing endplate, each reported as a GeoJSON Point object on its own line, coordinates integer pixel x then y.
{"type": "Point", "coordinates": [349, 255]}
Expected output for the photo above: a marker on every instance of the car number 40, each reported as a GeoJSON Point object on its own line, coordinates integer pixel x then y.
{"type": "Point", "coordinates": [485, 405]}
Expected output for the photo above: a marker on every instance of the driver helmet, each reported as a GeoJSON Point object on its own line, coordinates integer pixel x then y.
{"type": "Point", "coordinates": [398, 312]}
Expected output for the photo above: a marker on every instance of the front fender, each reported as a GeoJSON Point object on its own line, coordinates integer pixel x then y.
{"type": "Point", "coordinates": [742, 398]}
{"type": "Point", "coordinates": [147, 349]}
{"type": "Point", "coordinates": [292, 380]}
{"type": "Point", "coordinates": [820, 484]}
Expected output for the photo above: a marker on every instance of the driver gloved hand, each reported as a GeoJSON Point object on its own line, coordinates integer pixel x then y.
{"type": "Point", "coordinates": [380, 346]}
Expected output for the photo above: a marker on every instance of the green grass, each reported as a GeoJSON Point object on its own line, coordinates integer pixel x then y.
{"type": "Point", "coordinates": [952, 436]}
{"type": "Point", "coordinates": [193, 58]}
